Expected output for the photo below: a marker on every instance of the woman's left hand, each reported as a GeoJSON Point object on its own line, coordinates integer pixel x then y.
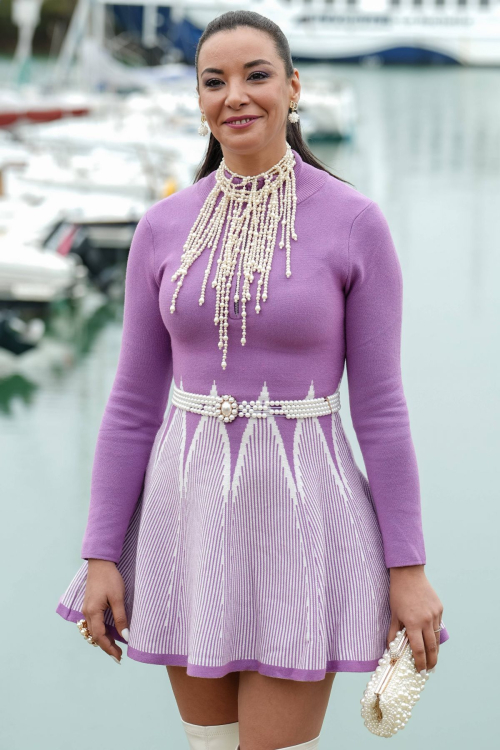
{"type": "Point", "coordinates": [416, 606]}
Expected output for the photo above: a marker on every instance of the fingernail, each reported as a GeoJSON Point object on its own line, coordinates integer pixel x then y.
{"type": "Point", "coordinates": [125, 634]}
{"type": "Point", "coordinates": [114, 657]}
{"type": "Point", "coordinates": [433, 669]}
{"type": "Point", "coordinates": [423, 672]}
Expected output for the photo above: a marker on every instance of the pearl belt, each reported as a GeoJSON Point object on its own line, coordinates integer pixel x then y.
{"type": "Point", "coordinates": [226, 408]}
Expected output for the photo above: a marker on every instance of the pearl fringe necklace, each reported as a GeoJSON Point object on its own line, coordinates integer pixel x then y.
{"type": "Point", "coordinates": [250, 233]}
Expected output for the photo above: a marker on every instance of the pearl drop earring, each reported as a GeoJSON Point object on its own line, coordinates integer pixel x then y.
{"type": "Point", "coordinates": [203, 130]}
{"type": "Point", "coordinates": [293, 115]}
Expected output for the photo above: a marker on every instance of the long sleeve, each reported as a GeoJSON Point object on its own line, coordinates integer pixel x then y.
{"type": "Point", "coordinates": [135, 407]}
{"type": "Point", "coordinates": [373, 318]}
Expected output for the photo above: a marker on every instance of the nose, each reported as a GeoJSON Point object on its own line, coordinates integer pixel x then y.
{"type": "Point", "coordinates": [236, 94]}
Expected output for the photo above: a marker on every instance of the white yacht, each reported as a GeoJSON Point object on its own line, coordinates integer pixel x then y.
{"type": "Point", "coordinates": [463, 32]}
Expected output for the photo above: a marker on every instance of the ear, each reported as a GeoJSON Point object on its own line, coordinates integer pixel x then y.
{"type": "Point", "coordinates": [295, 85]}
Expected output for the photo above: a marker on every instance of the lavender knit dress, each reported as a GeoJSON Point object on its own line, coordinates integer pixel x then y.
{"type": "Point", "coordinates": [258, 543]}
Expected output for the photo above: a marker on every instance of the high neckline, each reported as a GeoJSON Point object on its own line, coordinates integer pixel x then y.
{"type": "Point", "coordinates": [272, 172]}
{"type": "Point", "coordinates": [308, 179]}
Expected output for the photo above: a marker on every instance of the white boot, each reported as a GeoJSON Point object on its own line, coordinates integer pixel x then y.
{"type": "Point", "coordinates": [215, 737]}
{"type": "Point", "coordinates": [310, 745]}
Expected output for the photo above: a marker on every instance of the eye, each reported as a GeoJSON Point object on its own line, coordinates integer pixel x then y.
{"type": "Point", "coordinates": [212, 82]}
{"type": "Point", "coordinates": [260, 73]}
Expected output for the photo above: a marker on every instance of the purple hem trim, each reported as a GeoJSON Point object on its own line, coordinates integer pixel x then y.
{"type": "Point", "coordinates": [73, 615]}
{"type": "Point", "coordinates": [196, 670]}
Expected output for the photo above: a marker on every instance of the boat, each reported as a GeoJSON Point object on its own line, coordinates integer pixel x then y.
{"type": "Point", "coordinates": [29, 104]}
{"type": "Point", "coordinates": [455, 32]}
{"type": "Point", "coordinates": [28, 275]}
{"type": "Point", "coordinates": [22, 101]}
{"type": "Point", "coordinates": [460, 32]}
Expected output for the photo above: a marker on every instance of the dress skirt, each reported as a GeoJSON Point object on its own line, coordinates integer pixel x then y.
{"type": "Point", "coordinates": [254, 545]}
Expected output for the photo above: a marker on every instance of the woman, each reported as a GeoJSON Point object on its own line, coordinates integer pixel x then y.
{"type": "Point", "coordinates": [250, 547]}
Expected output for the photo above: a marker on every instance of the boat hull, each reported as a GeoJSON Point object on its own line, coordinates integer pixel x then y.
{"type": "Point", "coordinates": [446, 40]}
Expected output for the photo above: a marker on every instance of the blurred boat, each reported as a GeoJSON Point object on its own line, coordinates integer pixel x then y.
{"type": "Point", "coordinates": [32, 105]}
{"type": "Point", "coordinates": [104, 72]}
{"type": "Point", "coordinates": [133, 145]}
{"type": "Point", "coordinates": [33, 271]}
{"type": "Point", "coordinates": [328, 110]}
{"type": "Point", "coordinates": [30, 275]}
{"type": "Point", "coordinates": [465, 32]}
{"type": "Point", "coordinates": [75, 238]}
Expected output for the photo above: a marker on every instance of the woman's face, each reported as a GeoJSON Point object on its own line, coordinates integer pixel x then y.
{"type": "Point", "coordinates": [241, 74]}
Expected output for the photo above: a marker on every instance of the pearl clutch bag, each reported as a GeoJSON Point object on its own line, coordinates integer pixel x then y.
{"type": "Point", "coordinates": [393, 689]}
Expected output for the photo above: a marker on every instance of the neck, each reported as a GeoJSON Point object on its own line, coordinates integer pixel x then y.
{"type": "Point", "coordinates": [254, 163]}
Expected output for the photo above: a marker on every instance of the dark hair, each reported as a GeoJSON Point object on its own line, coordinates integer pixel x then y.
{"type": "Point", "coordinates": [231, 20]}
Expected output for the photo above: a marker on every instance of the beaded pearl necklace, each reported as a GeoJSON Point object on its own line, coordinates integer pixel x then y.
{"type": "Point", "coordinates": [250, 234]}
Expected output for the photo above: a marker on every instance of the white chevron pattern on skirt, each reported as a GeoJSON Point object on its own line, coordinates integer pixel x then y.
{"type": "Point", "coordinates": [260, 551]}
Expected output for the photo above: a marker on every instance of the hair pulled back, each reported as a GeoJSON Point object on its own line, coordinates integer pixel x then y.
{"type": "Point", "coordinates": [232, 20]}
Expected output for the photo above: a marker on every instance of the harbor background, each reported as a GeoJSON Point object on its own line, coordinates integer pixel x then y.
{"type": "Point", "coordinates": [427, 149]}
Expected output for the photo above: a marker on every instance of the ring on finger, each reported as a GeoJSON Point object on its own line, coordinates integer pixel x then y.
{"type": "Point", "coordinates": [83, 628]}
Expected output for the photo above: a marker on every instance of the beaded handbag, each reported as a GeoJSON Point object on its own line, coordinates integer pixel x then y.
{"type": "Point", "coordinates": [393, 689]}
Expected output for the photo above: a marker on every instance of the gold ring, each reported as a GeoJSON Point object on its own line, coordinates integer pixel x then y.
{"type": "Point", "coordinates": [83, 628]}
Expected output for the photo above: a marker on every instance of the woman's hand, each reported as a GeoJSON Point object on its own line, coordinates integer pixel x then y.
{"type": "Point", "coordinates": [105, 588]}
{"type": "Point", "coordinates": [416, 606]}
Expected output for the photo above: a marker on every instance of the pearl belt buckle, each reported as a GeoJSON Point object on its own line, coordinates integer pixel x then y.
{"type": "Point", "coordinates": [226, 408]}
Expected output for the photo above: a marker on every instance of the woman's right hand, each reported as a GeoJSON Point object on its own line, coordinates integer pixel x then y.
{"type": "Point", "coordinates": [105, 588]}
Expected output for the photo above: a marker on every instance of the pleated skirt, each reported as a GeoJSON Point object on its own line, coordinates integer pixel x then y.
{"type": "Point", "coordinates": [254, 545]}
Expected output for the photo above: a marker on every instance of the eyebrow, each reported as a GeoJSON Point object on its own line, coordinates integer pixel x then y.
{"type": "Point", "coordinates": [246, 65]}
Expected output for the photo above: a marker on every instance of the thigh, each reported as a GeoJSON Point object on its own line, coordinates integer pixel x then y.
{"type": "Point", "coordinates": [203, 700]}
{"type": "Point", "coordinates": [276, 713]}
